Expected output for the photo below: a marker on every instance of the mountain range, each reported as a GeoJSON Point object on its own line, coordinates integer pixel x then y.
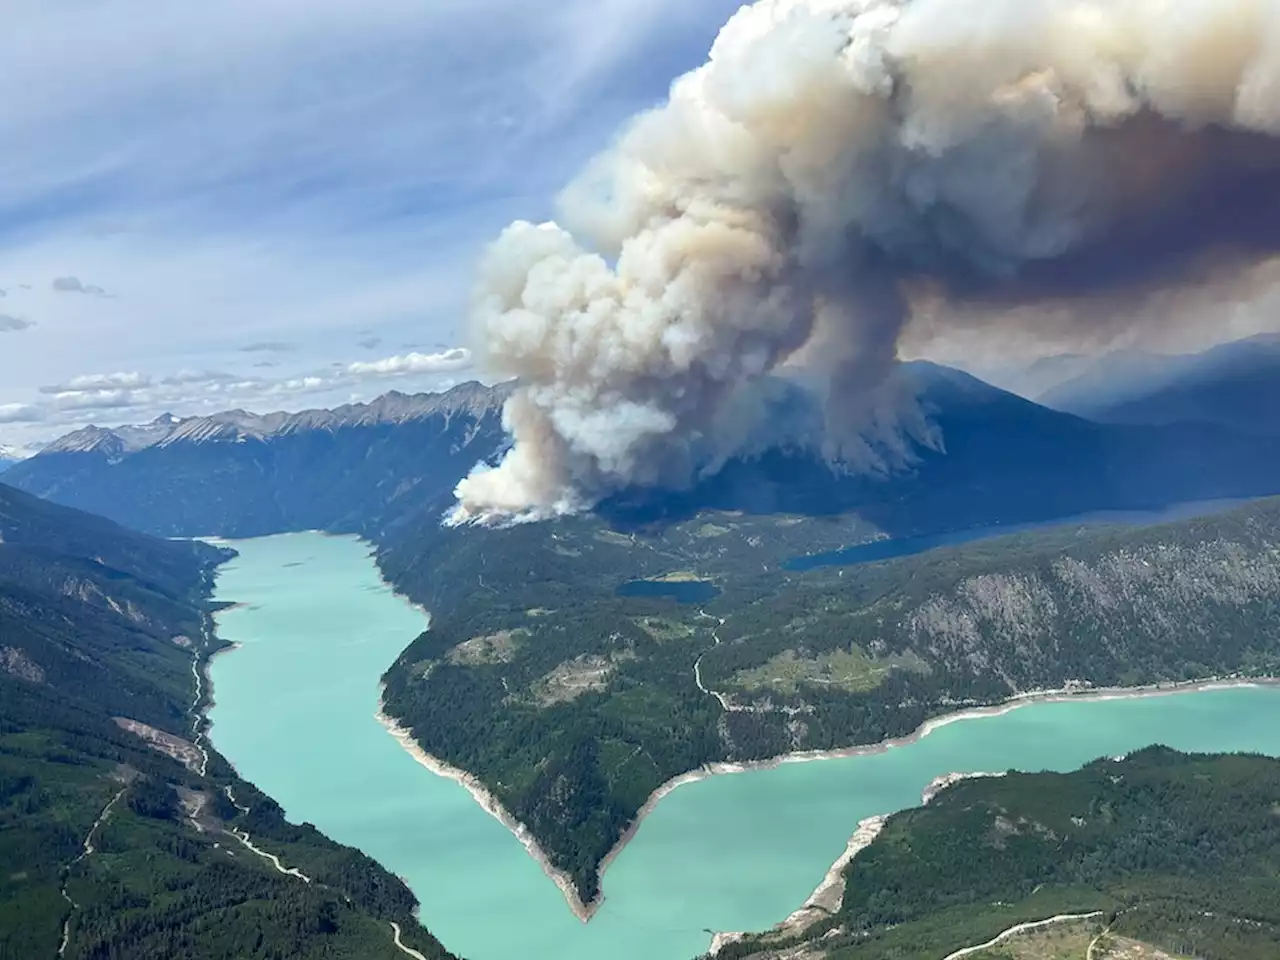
{"type": "Point", "coordinates": [1234, 385]}
{"type": "Point", "coordinates": [353, 469]}
{"type": "Point", "coordinates": [387, 469]}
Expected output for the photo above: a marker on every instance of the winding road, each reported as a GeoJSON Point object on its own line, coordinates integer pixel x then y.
{"type": "Point", "coordinates": [697, 666]}
{"type": "Point", "coordinates": [1022, 928]}
{"type": "Point", "coordinates": [395, 929]}
{"type": "Point", "coordinates": [87, 852]}
{"type": "Point", "coordinates": [244, 838]}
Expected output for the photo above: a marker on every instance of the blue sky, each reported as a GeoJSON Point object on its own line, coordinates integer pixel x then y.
{"type": "Point", "coordinates": [276, 204]}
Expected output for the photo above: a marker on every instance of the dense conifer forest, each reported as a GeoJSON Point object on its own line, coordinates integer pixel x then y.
{"type": "Point", "coordinates": [576, 703]}
{"type": "Point", "coordinates": [121, 832]}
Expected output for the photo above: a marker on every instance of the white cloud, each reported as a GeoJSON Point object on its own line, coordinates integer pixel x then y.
{"type": "Point", "coordinates": [98, 381]}
{"type": "Point", "coordinates": [133, 397]}
{"type": "Point", "coordinates": [449, 360]}
{"type": "Point", "coordinates": [20, 413]}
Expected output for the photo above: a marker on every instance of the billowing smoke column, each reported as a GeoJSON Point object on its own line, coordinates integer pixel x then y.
{"type": "Point", "coordinates": [841, 169]}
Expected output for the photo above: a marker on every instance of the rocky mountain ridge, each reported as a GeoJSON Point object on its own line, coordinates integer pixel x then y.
{"type": "Point", "coordinates": [468, 399]}
{"type": "Point", "coordinates": [355, 469]}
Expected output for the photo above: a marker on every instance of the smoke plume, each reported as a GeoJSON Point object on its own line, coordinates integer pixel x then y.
{"type": "Point", "coordinates": [842, 172]}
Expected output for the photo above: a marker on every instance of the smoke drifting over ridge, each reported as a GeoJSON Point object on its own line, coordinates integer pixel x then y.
{"type": "Point", "coordinates": [843, 171]}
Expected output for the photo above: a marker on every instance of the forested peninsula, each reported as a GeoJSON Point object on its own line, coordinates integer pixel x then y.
{"type": "Point", "coordinates": [573, 704]}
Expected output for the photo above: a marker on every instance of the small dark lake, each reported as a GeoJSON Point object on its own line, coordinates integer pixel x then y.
{"type": "Point", "coordinates": [682, 591]}
{"type": "Point", "coordinates": [909, 546]}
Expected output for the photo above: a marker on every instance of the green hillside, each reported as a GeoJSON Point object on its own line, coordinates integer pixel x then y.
{"type": "Point", "coordinates": [1179, 853]}
{"type": "Point", "coordinates": [575, 703]}
{"type": "Point", "coordinates": [120, 831]}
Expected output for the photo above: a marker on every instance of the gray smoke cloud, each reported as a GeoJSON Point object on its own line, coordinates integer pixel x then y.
{"type": "Point", "coordinates": [844, 174]}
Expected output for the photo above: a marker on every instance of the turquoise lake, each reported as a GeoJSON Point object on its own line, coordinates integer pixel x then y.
{"type": "Point", "coordinates": [295, 711]}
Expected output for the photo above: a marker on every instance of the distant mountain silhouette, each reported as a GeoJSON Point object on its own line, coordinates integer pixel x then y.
{"type": "Point", "coordinates": [1004, 460]}
{"type": "Point", "coordinates": [1236, 385]}
{"type": "Point", "coordinates": [353, 469]}
{"type": "Point", "coordinates": [385, 475]}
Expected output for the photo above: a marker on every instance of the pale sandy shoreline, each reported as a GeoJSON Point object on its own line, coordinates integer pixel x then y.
{"type": "Point", "coordinates": [828, 898]}
{"type": "Point", "coordinates": [492, 806]}
{"type": "Point", "coordinates": [829, 895]}
{"type": "Point", "coordinates": [206, 670]}
{"type": "Point", "coordinates": [584, 911]}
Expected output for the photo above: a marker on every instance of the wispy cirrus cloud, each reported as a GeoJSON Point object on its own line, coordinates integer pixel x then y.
{"type": "Point", "coordinates": [273, 172]}
{"type": "Point", "coordinates": [269, 346]}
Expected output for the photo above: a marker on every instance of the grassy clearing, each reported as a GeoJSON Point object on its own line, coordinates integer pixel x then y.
{"type": "Point", "coordinates": [573, 679]}
{"type": "Point", "coordinates": [850, 670]}
{"type": "Point", "coordinates": [678, 576]}
{"type": "Point", "coordinates": [500, 647]}
{"type": "Point", "coordinates": [1119, 948]}
{"type": "Point", "coordinates": [663, 629]}
{"type": "Point", "coordinates": [1068, 941]}
{"type": "Point", "coordinates": [1071, 941]}
{"type": "Point", "coordinates": [612, 537]}
{"type": "Point", "coordinates": [709, 531]}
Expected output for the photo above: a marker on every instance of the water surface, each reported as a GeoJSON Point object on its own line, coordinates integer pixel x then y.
{"type": "Point", "coordinates": [295, 713]}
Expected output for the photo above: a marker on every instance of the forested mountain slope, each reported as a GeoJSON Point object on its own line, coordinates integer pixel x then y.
{"type": "Point", "coordinates": [539, 678]}
{"type": "Point", "coordinates": [574, 703]}
{"type": "Point", "coordinates": [118, 824]}
{"type": "Point", "coordinates": [1180, 853]}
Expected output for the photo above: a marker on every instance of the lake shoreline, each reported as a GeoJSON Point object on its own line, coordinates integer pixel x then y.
{"type": "Point", "coordinates": [585, 911]}
{"type": "Point", "coordinates": [207, 658]}
{"type": "Point", "coordinates": [828, 898]}
{"type": "Point", "coordinates": [490, 804]}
